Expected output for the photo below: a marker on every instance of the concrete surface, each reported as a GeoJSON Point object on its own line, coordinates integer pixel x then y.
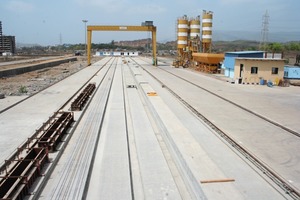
{"type": "Point", "coordinates": [272, 145]}
{"type": "Point", "coordinates": [152, 145]}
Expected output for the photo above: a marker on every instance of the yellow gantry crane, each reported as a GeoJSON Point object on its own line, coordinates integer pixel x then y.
{"type": "Point", "coordinates": [121, 28]}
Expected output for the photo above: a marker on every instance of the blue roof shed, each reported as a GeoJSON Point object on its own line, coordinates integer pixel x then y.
{"type": "Point", "coordinates": [229, 60]}
{"type": "Point", "coordinates": [230, 57]}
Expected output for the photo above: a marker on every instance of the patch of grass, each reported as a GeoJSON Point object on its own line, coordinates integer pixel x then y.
{"type": "Point", "coordinates": [23, 89]}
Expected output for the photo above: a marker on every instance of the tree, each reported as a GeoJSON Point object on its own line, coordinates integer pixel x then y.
{"type": "Point", "coordinates": [294, 46]}
{"type": "Point", "coordinates": [275, 47]}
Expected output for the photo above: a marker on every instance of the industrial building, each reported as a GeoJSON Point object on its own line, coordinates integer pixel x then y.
{"type": "Point", "coordinates": [229, 61]}
{"type": "Point", "coordinates": [7, 43]}
{"type": "Point", "coordinates": [251, 67]}
{"type": "Point", "coordinates": [194, 49]}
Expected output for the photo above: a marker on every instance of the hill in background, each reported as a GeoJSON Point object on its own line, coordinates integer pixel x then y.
{"type": "Point", "coordinates": [255, 36]}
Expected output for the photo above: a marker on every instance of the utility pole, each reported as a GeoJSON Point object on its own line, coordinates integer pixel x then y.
{"type": "Point", "coordinates": [1, 38]}
{"type": "Point", "coordinates": [264, 31]}
{"type": "Point", "coordinates": [60, 39]}
{"type": "Point", "coordinates": [85, 21]}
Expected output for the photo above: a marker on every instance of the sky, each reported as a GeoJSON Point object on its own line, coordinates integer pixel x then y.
{"type": "Point", "coordinates": [47, 22]}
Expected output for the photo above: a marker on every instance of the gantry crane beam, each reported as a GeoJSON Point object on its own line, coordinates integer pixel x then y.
{"type": "Point", "coordinates": [121, 28]}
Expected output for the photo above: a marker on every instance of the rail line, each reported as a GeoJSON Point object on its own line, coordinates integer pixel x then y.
{"type": "Point", "coordinates": [127, 135]}
{"type": "Point", "coordinates": [275, 177]}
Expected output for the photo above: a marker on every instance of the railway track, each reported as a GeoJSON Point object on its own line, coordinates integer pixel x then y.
{"type": "Point", "coordinates": [112, 147]}
{"type": "Point", "coordinates": [285, 185]}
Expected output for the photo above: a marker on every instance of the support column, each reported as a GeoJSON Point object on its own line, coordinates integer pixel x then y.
{"type": "Point", "coordinates": [89, 44]}
{"type": "Point", "coordinates": [154, 51]}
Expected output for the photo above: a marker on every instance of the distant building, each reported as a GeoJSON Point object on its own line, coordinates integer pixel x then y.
{"type": "Point", "coordinates": [229, 61]}
{"type": "Point", "coordinates": [251, 67]}
{"type": "Point", "coordinates": [258, 70]}
{"type": "Point", "coordinates": [291, 72]}
{"type": "Point", "coordinates": [116, 53]}
{"type": "Point", "coordinates": [7, 44]}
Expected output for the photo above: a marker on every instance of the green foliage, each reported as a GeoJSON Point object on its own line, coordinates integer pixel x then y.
{"type": "Point", "coordinates": [23, 89]}
{"type": "Point", "coordinates": [239, 45]}
{"type": "Point", "coordinates": [275, 47]}
{"type": "Point", "coordinates": [292, 46]}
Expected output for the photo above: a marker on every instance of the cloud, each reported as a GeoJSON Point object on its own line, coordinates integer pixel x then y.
{"type": "Point", "coordinates": [19, 6]}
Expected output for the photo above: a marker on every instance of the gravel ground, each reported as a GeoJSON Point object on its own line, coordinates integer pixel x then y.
{"type": "Point", "coordinates": [35, 81]}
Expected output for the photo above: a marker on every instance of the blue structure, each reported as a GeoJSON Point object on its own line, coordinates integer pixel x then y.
{"type": "Point", "coordinates": [229, 60]}
{"type": "Point", "coordinates": [291, 72]}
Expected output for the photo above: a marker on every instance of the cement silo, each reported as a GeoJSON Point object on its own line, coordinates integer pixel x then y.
{"type": "Point", "coordinates": [195, 27]}
{"type": "Point", "coordinates": [182, 32]}
{"type": "Point", "coordinates": [194, 34]}
{"type": "Point", "coordinates": [206, 31]}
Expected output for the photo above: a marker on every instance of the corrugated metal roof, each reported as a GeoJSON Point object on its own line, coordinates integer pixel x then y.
{"type": "Point", "coordinates": [245, 52]}
{"type": "Point", "coordinates": [292, 66]}
{"type": "Point", "coordinates": [263, 59]}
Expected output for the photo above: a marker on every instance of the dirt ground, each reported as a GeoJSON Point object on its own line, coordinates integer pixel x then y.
{"type": "Point", "coordinates": [35, 81]}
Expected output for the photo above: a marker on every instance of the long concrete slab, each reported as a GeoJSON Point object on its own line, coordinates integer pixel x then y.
{"type": "Point", "coordinates": [69, 178]}
{"type": "Point", "coordinates": [111, 166]}
{"type": "Point", "coordinates": [206, 156]}
{"type": "Point", "coordinates": [271, 145]}
{"type": "Point", "coordinates": [157, 180]}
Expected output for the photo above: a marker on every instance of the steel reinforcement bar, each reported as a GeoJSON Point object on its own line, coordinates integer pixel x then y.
{"type": "Point", "coordinates": [83, 97]}
{"type": "Point", "coordinates": [22, 168]}
{"type": "Point", "coordinates": [16, 182]}
{"type": "Point", "coordinates": [55, 131]}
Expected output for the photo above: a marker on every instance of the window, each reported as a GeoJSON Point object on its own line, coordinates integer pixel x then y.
{"type": "Point", "coordinates": [286, 74]}
{"type": "Point", "coordinates": [274, 70]}
{"type": "Point", "coordinates": [254, 70]}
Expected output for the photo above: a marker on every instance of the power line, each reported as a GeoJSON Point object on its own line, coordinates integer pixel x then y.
{"type": "Point", "coordinates": [1, 38]}
{"type": "Point", "coordinates": [264, 31]}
